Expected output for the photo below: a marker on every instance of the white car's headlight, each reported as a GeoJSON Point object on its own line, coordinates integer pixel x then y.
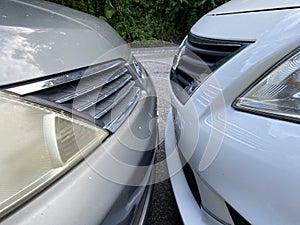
{"type": "Point", "coordinates": [277, 94]}
{"type": "Point", "coordinates": [38, 145]}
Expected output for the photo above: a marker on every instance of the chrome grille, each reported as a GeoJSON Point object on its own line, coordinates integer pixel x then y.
{"type": "Point", "coordinates": [200, 57]}
{"type": "Point", "coordinates": [104, 94]}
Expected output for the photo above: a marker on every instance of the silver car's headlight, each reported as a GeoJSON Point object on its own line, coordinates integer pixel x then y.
{"type": "Point", "coordinates": [278, 93]}
{"type": "Point", "coordinates": [38, 145]}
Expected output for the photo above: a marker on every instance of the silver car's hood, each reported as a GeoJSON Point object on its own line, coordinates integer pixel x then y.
{"type": "Point", "coordinates": [40, 38]}
{"type": "Point", "coordinates": [242, 6]}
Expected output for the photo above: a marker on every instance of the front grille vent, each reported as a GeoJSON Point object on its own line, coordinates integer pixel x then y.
{"type": "Point", "coordinates": [104, 94]}
{"type": "Point", "coordinates": [200, 57]}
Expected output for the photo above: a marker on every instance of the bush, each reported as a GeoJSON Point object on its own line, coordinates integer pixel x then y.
{"type": "Point", "coordinates": [137, 20]}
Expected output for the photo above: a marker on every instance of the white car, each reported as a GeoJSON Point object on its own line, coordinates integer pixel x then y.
{"type": "Point", "coordinates": [78, 120]}
{"type": "Point", "coordinates": [233, 132]}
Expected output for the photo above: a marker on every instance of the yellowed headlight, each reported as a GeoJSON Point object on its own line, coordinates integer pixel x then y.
{"type": "Point", "coordinates": [37, 146]}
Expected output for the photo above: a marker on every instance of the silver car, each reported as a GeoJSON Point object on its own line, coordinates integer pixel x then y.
{"type": "Point", "coordinates": [78, 120]}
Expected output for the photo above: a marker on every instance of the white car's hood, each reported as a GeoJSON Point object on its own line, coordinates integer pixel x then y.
{"type": "Point", "coordinates": [40, 39]}
{"type": "Point", "coordinates": [252, 20]}
{"type": "Point", "coordinates": [242, 6]}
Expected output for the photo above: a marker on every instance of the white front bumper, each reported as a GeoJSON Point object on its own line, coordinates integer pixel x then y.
{"type": "Point", "coordinates": [190, 211]}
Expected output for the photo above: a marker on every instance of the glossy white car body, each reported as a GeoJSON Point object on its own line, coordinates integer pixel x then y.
{"type": "Point", "coordinates": [240, 160]}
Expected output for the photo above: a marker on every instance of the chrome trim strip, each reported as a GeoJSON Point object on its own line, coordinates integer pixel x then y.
{"type": "Point", "coordinates": [66, 78]}
{"type": "Point", "coordinates": [113, 125]}
{"type": "Point", "coordinates": [114, 101]}
{"type": "Point", "coordinates": [103, 94]}
{"type": "Point", "coordinates": [91, 88]}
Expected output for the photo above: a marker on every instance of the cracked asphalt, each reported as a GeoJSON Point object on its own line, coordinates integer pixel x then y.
{"type": "Point", "coordinates": [157, 62]}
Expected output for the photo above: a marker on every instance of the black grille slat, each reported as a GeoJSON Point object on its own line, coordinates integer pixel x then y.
{"type": "Point", "coordinates": [193, 61]}
{"type": "Point", "coordinates": [189, 73]}
{"type": "Point", "coordinates": [200, 57]}
{"type": "Point", "coordinates": [183, 79]}
{"type": "Point", "coordinates": [192, 65]}
{"type": "Point", "coordinates": [210, 52]}
{"type": "Point", "coordinates": [201, 51]}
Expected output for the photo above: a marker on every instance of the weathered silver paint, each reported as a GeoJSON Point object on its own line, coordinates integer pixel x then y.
{"type": "Point", "coordinates": [39, 39]}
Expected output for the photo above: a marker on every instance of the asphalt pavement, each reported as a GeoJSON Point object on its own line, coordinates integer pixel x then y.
{"type": "Point", "coordinates": [157, 62]}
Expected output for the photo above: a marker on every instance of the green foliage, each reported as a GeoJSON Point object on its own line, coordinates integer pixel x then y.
{"type": "Point", "coordinates": [109, 10]}
{"type": "Point", "coordinates": [136, 20]}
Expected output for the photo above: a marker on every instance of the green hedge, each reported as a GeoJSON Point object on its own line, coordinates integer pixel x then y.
{"type": "Point", "coordinates": [137, 20]}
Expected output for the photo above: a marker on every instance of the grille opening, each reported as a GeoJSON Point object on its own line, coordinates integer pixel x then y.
{"type": "Point", "coordinates": [201, 57]}
{"type": "Point", "coordinates": [209, 53]}
{"type": "Point", "coordinates": [236, 217]}
{"type": "Point", "coordinates": [183, 79]}
{"type": "Point", "coordinates": [191, 180]}
{"type": "Point", "coordinates": [215, 48]}
{"type": "Point", "coordinates": [192, 183]}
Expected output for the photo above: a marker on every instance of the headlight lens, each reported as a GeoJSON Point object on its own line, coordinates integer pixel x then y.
{"type": "Point", "coordinates": [38, 146]}
{"type": "Point", "coordinates": [277, 94]}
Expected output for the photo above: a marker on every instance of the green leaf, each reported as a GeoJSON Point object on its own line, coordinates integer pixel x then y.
{"type": "Point", "coordinates": [109, 10]}
{"type": "Point", "coordinates": [103, 18]}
